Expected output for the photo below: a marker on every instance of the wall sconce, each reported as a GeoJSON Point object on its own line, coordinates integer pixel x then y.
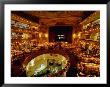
{"type": "Point", "coordinates": [74, 35]}
{"type": "Point", "coordinates": [46, 35]}
{"type": "Point", "coordinates": [40, 34]}
{"type": "Point", "coordinates": [79, 34]}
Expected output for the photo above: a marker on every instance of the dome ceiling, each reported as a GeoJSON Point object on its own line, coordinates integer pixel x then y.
{"type": "Point", "coordinates": [50, 18]}
{"type": "Point", "coordinates": [59, 17]}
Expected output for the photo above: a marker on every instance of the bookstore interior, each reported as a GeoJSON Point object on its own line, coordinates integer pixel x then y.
{"type": "Point", "coordinates": [55, 43]}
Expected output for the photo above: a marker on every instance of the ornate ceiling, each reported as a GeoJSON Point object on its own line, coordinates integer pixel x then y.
{"type": "Point", "coordinates": [50, 18]}
{"type": "Point", "coordinates": [55, 14]}
{"type": "Point", "coordinates": [57, 17]}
